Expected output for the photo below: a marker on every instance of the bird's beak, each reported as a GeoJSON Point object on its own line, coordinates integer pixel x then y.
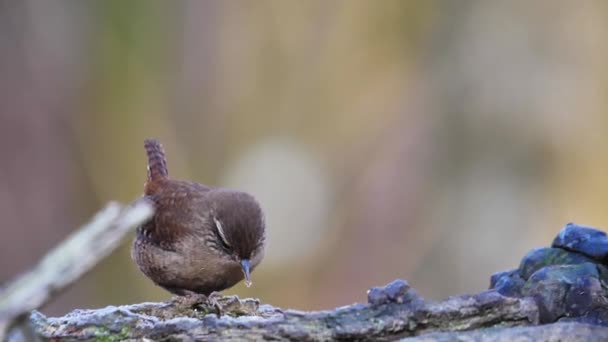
{"type": "Point", "coordinates": [245, 265]}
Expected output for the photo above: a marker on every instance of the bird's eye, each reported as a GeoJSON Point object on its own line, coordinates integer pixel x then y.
{"type": "Point", "coordinates": [220, 232]}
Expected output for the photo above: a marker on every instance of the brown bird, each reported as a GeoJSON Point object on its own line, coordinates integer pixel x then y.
{"type": "Point", "coordinates": [201, 239]}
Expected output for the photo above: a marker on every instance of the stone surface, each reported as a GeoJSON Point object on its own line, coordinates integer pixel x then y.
{"type": "Point", "coordinates": [564, 290]}
{"type": "Point", "coordinates": [398, 291]}
{"type": "Point", "coordinates": [584, 240]}
{"type": "Point", "coordinates": [541, 257]}
{"type": "Point", "coordinates": [508, 283]}
{"type": "Point", "coordinates": [568, 281]}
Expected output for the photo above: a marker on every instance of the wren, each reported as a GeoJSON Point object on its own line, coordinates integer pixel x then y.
{"type": "Point", "coordinates": [201, 239]}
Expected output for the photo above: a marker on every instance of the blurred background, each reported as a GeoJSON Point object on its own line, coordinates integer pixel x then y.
{"type": "Point", "coordinates": [434, 141]}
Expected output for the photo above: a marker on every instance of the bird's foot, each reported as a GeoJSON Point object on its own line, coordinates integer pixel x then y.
{"type": "Point", "coordinates": [214, 300]}
{"type": "Point", "coordinates": [197, 301]}
{"type": "Point", "coordinates": [190, 299]}
{"type": "Point", "coordinates": [218, 304]}
{"type": "Point", "coordinates": [234, 306]}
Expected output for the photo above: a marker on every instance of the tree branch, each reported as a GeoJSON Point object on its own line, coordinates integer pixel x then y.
{"type": "Point", "coordinates": [69, 261]}
{"type": "Point", "coordinates": [394, 311]}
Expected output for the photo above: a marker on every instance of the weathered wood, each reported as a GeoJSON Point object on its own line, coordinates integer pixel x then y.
{"type": "Point", "coordinates": [396, 312]}
{"type": "Point", "coordinates": [69, 261]}
{"type": "Point", "coordinates": [549, 332]}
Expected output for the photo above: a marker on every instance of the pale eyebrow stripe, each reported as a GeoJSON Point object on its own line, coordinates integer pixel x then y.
{"type": "Point", "coordinates": [220, 230]}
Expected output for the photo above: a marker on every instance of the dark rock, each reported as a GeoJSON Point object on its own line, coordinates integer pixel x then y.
{"type": "Point", "coordinates": [584, 295]}
{"type": "Point", "coordinates": [603, 272]}
{"type": "Point", "coordinates": [542, 257]}
{"type": "Point", "coordinates": [397, 291]}
{"type": "Point", "coordinates": [549, 296]}
{"type": "Point", "coordinates": [564, 290]}
{"type": "Point", "coordinates": [585, 240]}
{"type": "Point", "coordinates": [567, 281]}
{"type": "Point", "coordinates": [499, 275]}
{"type": "Point", "coordinates": [376, 296]}
{"type": "Point", "coordinates": [507, 283]}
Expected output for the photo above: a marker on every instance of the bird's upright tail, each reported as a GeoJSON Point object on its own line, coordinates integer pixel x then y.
{"type": "Point", "coordinates": [157, 165]}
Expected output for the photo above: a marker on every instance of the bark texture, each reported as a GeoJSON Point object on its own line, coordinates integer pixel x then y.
{"type": "Point", "coordinates": [393, 311]}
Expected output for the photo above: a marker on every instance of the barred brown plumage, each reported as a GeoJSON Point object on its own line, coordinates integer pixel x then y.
{"type": "Point", "coordinates": [201, 239]}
